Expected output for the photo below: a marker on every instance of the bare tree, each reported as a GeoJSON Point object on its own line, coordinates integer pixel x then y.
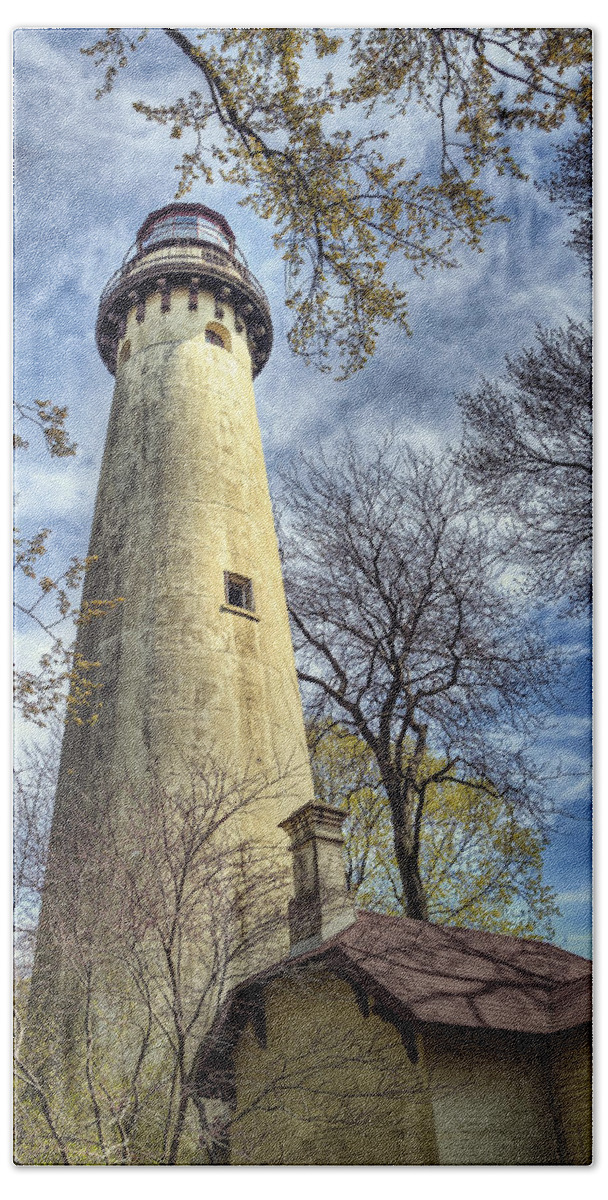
{"type": "Point", "coordinates": [157, 909]}
{"type": "Point", "coordinates": [571, 185]}
{"type": "Point", "coordinates": [406, 631]}
{"type": "Point", "coordinates": [34, 788]}
{"type": "Point", "coordinates": [527, 446]}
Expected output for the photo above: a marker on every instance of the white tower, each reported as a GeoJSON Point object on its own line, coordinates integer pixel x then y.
{"type": "Point", "coordinates": [196, 660]}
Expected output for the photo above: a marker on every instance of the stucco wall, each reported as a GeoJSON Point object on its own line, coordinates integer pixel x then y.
{"type": "Point", "coordinates": [492, 1096]}
{"type": "Point", "coordinates": [335, 1087]}
{"type": "Point", "coordinates": [331, 1086]}
{"type": "Point", "coordinates": [571, 1063]}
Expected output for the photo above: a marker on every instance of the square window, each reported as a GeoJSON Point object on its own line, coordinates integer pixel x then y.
{"type": "Point", "coordinates": [238, 590]}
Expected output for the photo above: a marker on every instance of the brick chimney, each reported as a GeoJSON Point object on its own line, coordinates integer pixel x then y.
{"type": "Point", "coordinates": [321, 906]}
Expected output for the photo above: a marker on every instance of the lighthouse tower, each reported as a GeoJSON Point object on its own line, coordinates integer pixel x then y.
{"type": "Point", "coordinates": [198, 654]}
{"type": "Point", "coordinates": [195, 661]}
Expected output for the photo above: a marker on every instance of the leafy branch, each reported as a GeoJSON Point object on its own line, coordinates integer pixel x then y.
{"type": "Point", "coordinates": [349, 209]}
{"type": "Point", "coordinates": [48, 601]}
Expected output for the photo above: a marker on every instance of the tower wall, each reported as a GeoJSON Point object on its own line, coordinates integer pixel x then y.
{"type": "Point", "coordinates": [182, 500]}
{"type": "Point", "coordinates": [191, 683]}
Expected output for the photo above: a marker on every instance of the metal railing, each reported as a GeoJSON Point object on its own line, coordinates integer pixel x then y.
{"type": "Point", "coordinates": [187, 256]}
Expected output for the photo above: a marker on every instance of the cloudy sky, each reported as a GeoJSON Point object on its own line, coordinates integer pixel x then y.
{"type": "Point", "coordinates": [87, 174]}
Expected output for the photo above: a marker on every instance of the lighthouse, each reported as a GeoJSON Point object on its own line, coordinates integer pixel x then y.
{"type": "Point", "coordinates": [194, 661]}
{"type": "Point", "coordinates": [199, 652]}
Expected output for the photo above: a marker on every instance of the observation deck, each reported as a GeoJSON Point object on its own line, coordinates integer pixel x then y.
{"type": "Point", "coordinates": [188, 246]}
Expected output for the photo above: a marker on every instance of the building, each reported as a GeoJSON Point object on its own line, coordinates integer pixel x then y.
{"type": "Point", "coordinates": [398, 1042]}
{"type": "Point", "coordinates": [183, 1009]}
{"type": "Point", "coordinates": [186, 639]}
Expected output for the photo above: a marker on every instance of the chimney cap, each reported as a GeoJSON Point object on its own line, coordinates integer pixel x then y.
{"type": "Point", "coordinates": [314, 820]}
{"type": "Point", "coordinates": [321, 905]}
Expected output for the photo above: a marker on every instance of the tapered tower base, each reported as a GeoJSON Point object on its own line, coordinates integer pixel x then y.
{"type": "Point", "coordinates": [168, 875]}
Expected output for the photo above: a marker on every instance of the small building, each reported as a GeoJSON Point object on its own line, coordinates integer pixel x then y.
{"type": "Point", "coordinates": [383, 1040]}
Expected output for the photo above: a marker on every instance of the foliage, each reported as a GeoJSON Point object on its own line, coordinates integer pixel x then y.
{"type": "Point", "coordinates": [481, 862]}
{"type": "Point", "coordinates": [528, 447]}
{"type": "Point", "coordinates": [571, 186]}
{"type": "Point", "coordinates": [46, 601]}
{"type": "Point", "coordinates": [50, 420]}
{"type": "Point", "coordinates": [321, 153]}
{"type": "Point", "coordinates": [405, 632]}
{"type": "Point", "coordinates": [151, 907]}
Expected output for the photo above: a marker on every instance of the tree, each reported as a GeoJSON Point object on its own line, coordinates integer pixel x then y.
{"type": "Point", "coordinates": [34, 790]}
{"type": "Point", "coordinates": [46, 602]}
{"type": "Point", "coordinates": [571, 186]}
{"type": "Point", "coordinates": [481, 862]}
{"type": "Point", "coordinates": [407, 632]}
{"type": "Point", "coordinates": [528, 447]}
{"type": "Point", "coordinates": [159, 905]}
{"type": "Point", "coordinates": [325, 160]}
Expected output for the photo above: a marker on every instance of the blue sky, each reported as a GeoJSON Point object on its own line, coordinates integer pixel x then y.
{"type": "Point", "coordinates": [87, 174]}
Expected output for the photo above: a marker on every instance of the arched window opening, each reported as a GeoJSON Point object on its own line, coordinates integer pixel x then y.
{"type": "Point", "coordinates": [217, 335]}
{"type": "Point", "coordinates": [214, 338]}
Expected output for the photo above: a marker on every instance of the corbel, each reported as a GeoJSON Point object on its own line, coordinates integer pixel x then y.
{"type": "Point", "coordinates": [165, 294]}
{"type": "Point", "coordinates": [193, 293]}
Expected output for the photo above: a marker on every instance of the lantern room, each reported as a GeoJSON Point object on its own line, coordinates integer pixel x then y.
{"type": "Point", "coordinates": [192, 223]}
{"type": "Point", "coordinates": [188, 247]}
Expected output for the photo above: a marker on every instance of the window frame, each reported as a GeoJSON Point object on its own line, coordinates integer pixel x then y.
{"type": "Point", "coordinates": [234, 579]}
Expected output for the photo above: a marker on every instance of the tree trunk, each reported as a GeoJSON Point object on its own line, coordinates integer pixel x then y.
{"type": "Point", "coordinates": [179, 1125]}
{"type": "Point", "coordinates": [406, 851]}
{"type": "Point", "coordinates": [413, 890]}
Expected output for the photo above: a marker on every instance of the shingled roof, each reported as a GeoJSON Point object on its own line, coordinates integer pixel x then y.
{"type": "Point", "coordinates": [452, 976]}
{"type": "Point", "coordinates": [415, 971]}
{"type": "Point", "coordinates": [462, 976]}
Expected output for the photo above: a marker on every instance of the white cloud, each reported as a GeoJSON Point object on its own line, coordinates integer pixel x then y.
{"type": "Point", "coordinates": [582, 896]}
{"type": "Point", "coordinates": [87, 174]}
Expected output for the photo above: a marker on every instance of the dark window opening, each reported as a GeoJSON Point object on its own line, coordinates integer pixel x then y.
{"type": "Point", "coordinates": [239, 591]}
{"type": "Point", "coordinates": [214, 338]}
